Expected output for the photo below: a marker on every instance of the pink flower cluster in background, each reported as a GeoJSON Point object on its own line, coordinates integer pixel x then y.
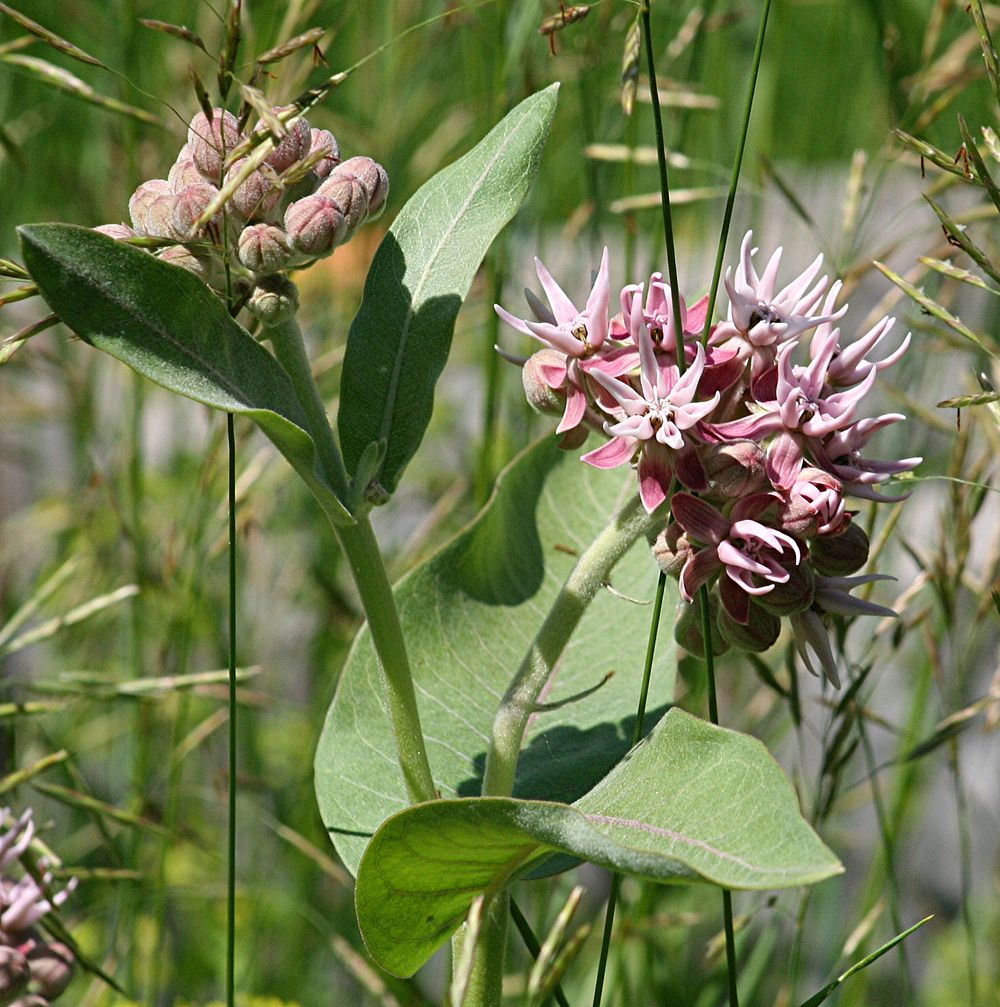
{"type": "Point", "coordinates": [757, 440]}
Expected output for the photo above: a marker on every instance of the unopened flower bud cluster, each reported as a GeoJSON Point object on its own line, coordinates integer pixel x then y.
{"type": "Point", "coordinates": [297, 206]}
{"type": "Point", "coordinates": [34, 971]}
{"type": "Point", "coordinates": [760, 433]}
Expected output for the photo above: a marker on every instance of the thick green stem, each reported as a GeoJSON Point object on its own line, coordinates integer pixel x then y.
{"type": "Point", "coordinates": [365, 559]}
{"type": "Point", "coordinates": [518, 704]}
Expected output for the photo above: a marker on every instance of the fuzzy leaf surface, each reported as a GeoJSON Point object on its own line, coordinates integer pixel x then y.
{"type": "Point", "coordinates": [165, 324]}
{"type": "Point", "coordinates": [400, 339]}
{"type": "Point", "coordinates": [469, 614]}
{"type": "Point", "coordinates": [693, 802]}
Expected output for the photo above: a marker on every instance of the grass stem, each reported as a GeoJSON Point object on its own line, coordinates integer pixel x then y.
{"type": "Point", "coordinates": [231, 846]}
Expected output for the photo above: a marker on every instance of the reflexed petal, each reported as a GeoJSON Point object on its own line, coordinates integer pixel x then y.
{"type": "Point", "coordinates": [655, 476]}
{"type": "Point", "coordinates": [784, 461]}
{"type": "Point", "coordinates": [735, 600]}
{"type": "Point", "coordinates": [699, 519]}
{"type": "Point", "coordinates": [690, 471]}
{"type": "Point", "coordinates": [617, 451]}
{"type": "Point", "coordinates": [695, 321]}
{"type": "Point", "coordinates": [576, 406]}
{"type": "Point", "coordinates": [698, 570]}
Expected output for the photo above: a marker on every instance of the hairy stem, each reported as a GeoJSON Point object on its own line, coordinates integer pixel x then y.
{"type": "Point", "coordinates": [518, 703]}
{"type": "Point", "coordinates": [368, 567]}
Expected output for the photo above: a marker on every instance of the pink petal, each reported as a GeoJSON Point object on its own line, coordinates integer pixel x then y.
{"type": "Point", "coordinates": [784, 460]}
{"type": "Point", "coordinates": [690, 471]}
{"type": "Point", "coordinates": [735, 601]}
{"type": "Point", "coordinates": [562, 307]}
{"type": "Point", "coordinates": [699, 519]}
{"type": "Point", "coordinates": [655, 476]}
{"type": "Point", "coordinates": [698, 570]}
{"type": "Point", "coordinates": [576, 406]}
{"type": "Point", "coordinates": [617, 451]}
{"type": "Point", "coordinates": [696, 314]}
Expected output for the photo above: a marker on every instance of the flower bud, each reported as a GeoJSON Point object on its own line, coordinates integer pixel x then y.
{"type": "Point", "coordinates": [541, 396]}
{"type": "Point", "coordinates": [256, 196]}
{"type": "Point", "coordinates": [184, 172]}
{"type": "Point", "coordinates": [795, 595]}
{"type": "Point", "coordinates": [815, 505]}
{"type": "Point", "coordinates": [351, 199]}
{"type": "Point", "coordinates": [373, 179]}
{"type": "Point", "coordinates": [158, 221]}
{"type": "Point", "coordinates": [142, 199]}
{"type": "Point", "coordinates": [180, 255]}
{"type": "Point", "coordinates": [14, 974]}
{"type": "Point", "coordinates": [189, 204]}
{"type": "Point", "coordinates": [840, 555]}
{"type": "Point", "coordinates": [117, 231]}
{"type": "Point", "coordinates": [293, 146]}
{"type": "Point", "coordinates": [672, 549]}
{"type": "Point", "coordinates": [31, 1001]}
{"type": "Point", "coordinates": [759, 634]}
{"type": "Point", "coordinates": [315, 225]}
{"type": "Point", "coordinates": [324, 140]}
{"type": "Point", "coordinates": [735, 469]}
{"type": "Point", "coordinates": [688, 627]}
{"type": "Point", "coordinates": [264, 248]}
{"type": "Point", "coordinates": [209, 143]}
{"type": "Point", "coordinates": [51, 968]}
{"type": "Point", "coordinates": [274, 300]}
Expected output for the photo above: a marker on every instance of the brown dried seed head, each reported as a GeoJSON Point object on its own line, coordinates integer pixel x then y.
{"type": "Point", "coordinates": [210, 142]}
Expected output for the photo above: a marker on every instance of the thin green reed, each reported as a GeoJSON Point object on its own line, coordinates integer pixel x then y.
{"type": "Point", "coordinates": [231, 821]}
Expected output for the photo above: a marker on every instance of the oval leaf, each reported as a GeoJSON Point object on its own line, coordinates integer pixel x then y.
{"type": "Point", "coordinates": [694, 802]}
{"type": "Point", "coordinates": [166, 324]}
{"type": "Point", "coordinates": [399, 341]}
{"type": "Point", "coordinates": [469, 614]}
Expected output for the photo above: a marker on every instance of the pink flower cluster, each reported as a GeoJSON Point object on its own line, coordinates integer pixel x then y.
{"type": "Point", "coordinates": [754, 436]}
{"type": "Point", "coordinates": [31, 965]}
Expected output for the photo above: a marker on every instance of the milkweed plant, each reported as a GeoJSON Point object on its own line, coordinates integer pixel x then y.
{"type": "Point", "coordinates": [715, 460]}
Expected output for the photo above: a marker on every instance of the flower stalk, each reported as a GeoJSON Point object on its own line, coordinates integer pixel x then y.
{"type": "Point", "coordinates": [520, 699]}
{"type": "Point", "coordinates": [365, 560]}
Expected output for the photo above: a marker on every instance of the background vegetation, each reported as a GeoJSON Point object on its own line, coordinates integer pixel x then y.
{"type": "Point", "coordinates": [107, 484]}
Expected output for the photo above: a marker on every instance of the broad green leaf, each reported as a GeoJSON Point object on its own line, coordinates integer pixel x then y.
{"type": "Point", "coordinates": [694, 802]}
{"type": "Point", "coordinates": [469, 614]}
{"type": "Point", "coordinates": [166, 324]}
{"type": "Point", "coordinates": [399, 341]}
